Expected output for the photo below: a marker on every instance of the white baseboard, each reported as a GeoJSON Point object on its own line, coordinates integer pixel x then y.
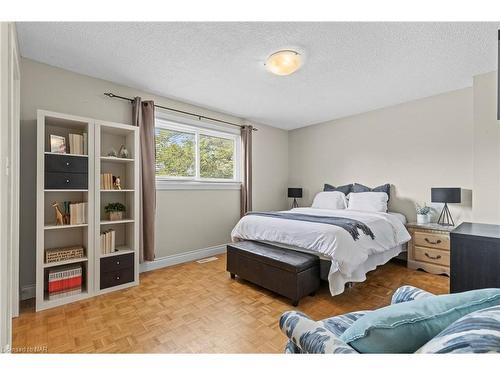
{"type": "Point", "coordinates": [188, 256]}
{"type": "Point", "coordinates": [27, 292]}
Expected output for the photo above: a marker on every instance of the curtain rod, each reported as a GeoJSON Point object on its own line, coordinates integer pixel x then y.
{"type": "Point", "coordinates": [200, 117]}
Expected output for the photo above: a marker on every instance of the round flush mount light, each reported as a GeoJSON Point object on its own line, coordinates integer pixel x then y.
{"type": "Point", "coordinates": [284, 62]}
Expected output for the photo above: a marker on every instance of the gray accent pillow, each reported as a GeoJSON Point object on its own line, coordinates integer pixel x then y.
{"type": "Point", "coordinates": [386, 188]}
{"type": "Point", "coordinates": [346, 189]}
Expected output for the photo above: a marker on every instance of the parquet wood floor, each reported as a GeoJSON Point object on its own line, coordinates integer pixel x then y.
{"type": "Point", "coordinates": [197, 308]}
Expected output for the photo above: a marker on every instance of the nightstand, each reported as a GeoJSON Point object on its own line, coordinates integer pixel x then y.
{"type": "Point", "coordinates": [429, 247]}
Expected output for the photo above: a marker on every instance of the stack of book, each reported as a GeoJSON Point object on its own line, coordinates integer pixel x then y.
{"type": "Point", "coordinates": [108, 242]}
{"type": "Point", "coordinates": [78, 144]}
{"type": "Point", "coordinates": [78, 213]}
{"type": "Point", "coordinates": [107, 181]}
{"type": "Point", "coordinates": [65, 281]}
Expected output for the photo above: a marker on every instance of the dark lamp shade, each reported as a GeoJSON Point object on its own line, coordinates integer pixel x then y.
{"type": "Point", "coordinates": [445, 195]}
{"type": "Point", "coordinates": [294, 192]}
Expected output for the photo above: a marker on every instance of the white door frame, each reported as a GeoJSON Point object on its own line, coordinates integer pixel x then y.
{"type": "Point", "coordinates": [9, 181]}
{"type": "Point", "coordinates": [15, 139]}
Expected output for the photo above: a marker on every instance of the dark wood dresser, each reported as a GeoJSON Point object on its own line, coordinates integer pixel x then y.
{"type": "Point", "coordinates": [475, 257]}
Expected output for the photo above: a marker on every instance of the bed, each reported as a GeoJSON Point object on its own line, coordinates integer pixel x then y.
{"type": "Point", "coordinates": [349, 258]}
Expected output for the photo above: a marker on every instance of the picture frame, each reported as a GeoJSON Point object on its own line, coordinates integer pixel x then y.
{"type": "Point", "coordinates": [57, 144]}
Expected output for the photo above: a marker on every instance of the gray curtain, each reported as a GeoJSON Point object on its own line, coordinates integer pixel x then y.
{"type": "Point", "coordinates": [143, 113]}
{"type": "Point", "coordinates": [246, 185]}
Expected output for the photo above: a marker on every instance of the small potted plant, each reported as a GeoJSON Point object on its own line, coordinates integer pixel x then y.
{"type": "Point", "coordinates": [115, 211]}
{"type": "Point", "coordinates": [423, 214]}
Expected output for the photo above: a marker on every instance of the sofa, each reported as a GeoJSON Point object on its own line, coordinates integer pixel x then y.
{"type": "Point", "coordinates": [415, 322]}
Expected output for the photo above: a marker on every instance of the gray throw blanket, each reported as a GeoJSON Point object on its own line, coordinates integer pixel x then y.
{"type": "Point", "coordinates": [349, 225]}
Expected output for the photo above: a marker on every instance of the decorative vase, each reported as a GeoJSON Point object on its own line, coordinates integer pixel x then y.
{"type": "Point", "coordinates": [115, 215]}
{"type": "Point", "coordinates": [423, 219]}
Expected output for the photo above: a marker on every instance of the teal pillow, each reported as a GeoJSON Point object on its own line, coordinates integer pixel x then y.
{"type": "Point", "coordinates": [407, 326]}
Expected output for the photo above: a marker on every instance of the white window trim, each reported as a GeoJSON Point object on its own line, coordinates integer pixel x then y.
{"type": "Point", "coordinates": [167, 121]}
{"type": "Point", "coordinates": [162, 184]}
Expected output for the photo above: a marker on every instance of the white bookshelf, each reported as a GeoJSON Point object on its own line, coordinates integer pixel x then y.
{"type": "Point", "coordinates": [116, 160]}
{"type": "Point", "coordinates": [101, 135]}
{"type": "Point", "coordinates": [109, 135]}
{"type": "Point", "coordinates": [72, 155]}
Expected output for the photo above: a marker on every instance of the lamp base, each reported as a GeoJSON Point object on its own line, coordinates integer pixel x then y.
{"type": "Point", "coordinates": [445, 218]}
{"type": "Point", "coordinates": [295, 204]}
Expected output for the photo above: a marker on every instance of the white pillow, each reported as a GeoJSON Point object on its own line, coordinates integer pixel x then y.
{"type": "Point", "coordinates": [330, 200]}
{"type": "Point", "coordinates": [369, 201]}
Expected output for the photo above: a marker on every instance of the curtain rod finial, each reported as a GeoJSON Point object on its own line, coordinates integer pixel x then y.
{"type": "Point", "coordinates": [109, 94]}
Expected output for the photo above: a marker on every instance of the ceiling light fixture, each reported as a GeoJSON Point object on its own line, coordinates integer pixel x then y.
{"type": "Point", "coordinates": [284, 62]}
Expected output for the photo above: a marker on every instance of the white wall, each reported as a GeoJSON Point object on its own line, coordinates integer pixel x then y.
{"type": "Point", "coordinates": [270, 169]}
{"type": "Point", "coordinates": [413, 146]}
{"type": "Point", "coordinates": [486, 197]}
{"type": "Point", "coordinates": [186, 220]}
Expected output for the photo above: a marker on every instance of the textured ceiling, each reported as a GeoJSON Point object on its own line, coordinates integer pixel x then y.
{"type": "Point", "coordinates": [349, 67]}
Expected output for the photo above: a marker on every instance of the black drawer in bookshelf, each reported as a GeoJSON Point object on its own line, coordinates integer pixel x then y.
{"type": "Point", "coordinates": [66, 172]}
{"type": "Point", "coordinates": [118, 277]}
{"type": "Point", "coordinates": [66, 164]}
{"type": "Point", "coordinates": [116, 262]}
{"type": "Point", "coordinates": [66, 181]}
{"type": "Point", "coordinates": [117, 270]}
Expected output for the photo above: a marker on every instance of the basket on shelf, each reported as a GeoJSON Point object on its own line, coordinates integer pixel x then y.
{"type": "Point", "coordinates": [64, 253]}
{"type": "Point", "coordinates": [115, 211]}
{"type": "Point", "coordinates": [115, 215]}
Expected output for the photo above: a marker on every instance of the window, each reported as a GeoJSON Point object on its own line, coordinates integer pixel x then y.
{"type": "Point", "coordinates": [175, 153]}
{"type": "Point", "coordinates": [191, 156]}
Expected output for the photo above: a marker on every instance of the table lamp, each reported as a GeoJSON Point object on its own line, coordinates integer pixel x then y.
{"type": "Point", "coordinates": [445, 195]}
{"type": "Point", "coordinates": [295, 193]}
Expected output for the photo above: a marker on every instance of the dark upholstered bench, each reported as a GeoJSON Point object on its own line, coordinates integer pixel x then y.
{"type": "Point", "coordinates": [289, 273]}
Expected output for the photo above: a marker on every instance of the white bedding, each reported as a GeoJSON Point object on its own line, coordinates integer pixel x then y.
{"type": "Point", "coordinates": [350, 259]}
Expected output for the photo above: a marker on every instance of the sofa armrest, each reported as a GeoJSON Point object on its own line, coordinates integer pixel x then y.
{"type": "Point", "coordinates": [311, 336]}
{"type": "Point", "coordinates": [408, 293]}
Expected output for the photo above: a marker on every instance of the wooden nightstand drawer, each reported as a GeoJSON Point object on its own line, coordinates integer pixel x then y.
{"type": "Point", "coordinates": [429, 248]}
{"type": "Point", "coordinates": [425, 254]}
{"type": "Point", "coordinates": [433, 240]}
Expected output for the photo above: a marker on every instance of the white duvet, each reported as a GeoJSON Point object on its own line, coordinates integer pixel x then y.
{"type": "Point", "coordinates": [329, 241]}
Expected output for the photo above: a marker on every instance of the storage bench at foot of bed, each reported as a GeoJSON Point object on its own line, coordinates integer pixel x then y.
{"type": "Point", "coordinates": [289, 273]}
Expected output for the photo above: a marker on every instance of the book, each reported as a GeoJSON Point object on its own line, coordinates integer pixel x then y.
{"type": "Point", "coordinates": [112, 248]}
{"type": "Point", "coordinates": [65, 293]}
{"type": "Point", "coordinates": [72, 219]}
{"type": "Point", "coordinates": [103, 247]}
{"type": "Point", "coordinates": [78, 213]}
{"type": "Point", "coordinates": [62, 284]}
{"type": "Point", "coordinates": [78, 144]}
{"type": "Point", "coordinates": [64, 281]}
{"type": "Point", "coordinates": [85, 144]}
{"type": "Point", "coordinates": [107, 181]}
{"type": "Point", "coordinates": [108, 241]}
{"type": "Point", "coordinates": [71, 145]}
